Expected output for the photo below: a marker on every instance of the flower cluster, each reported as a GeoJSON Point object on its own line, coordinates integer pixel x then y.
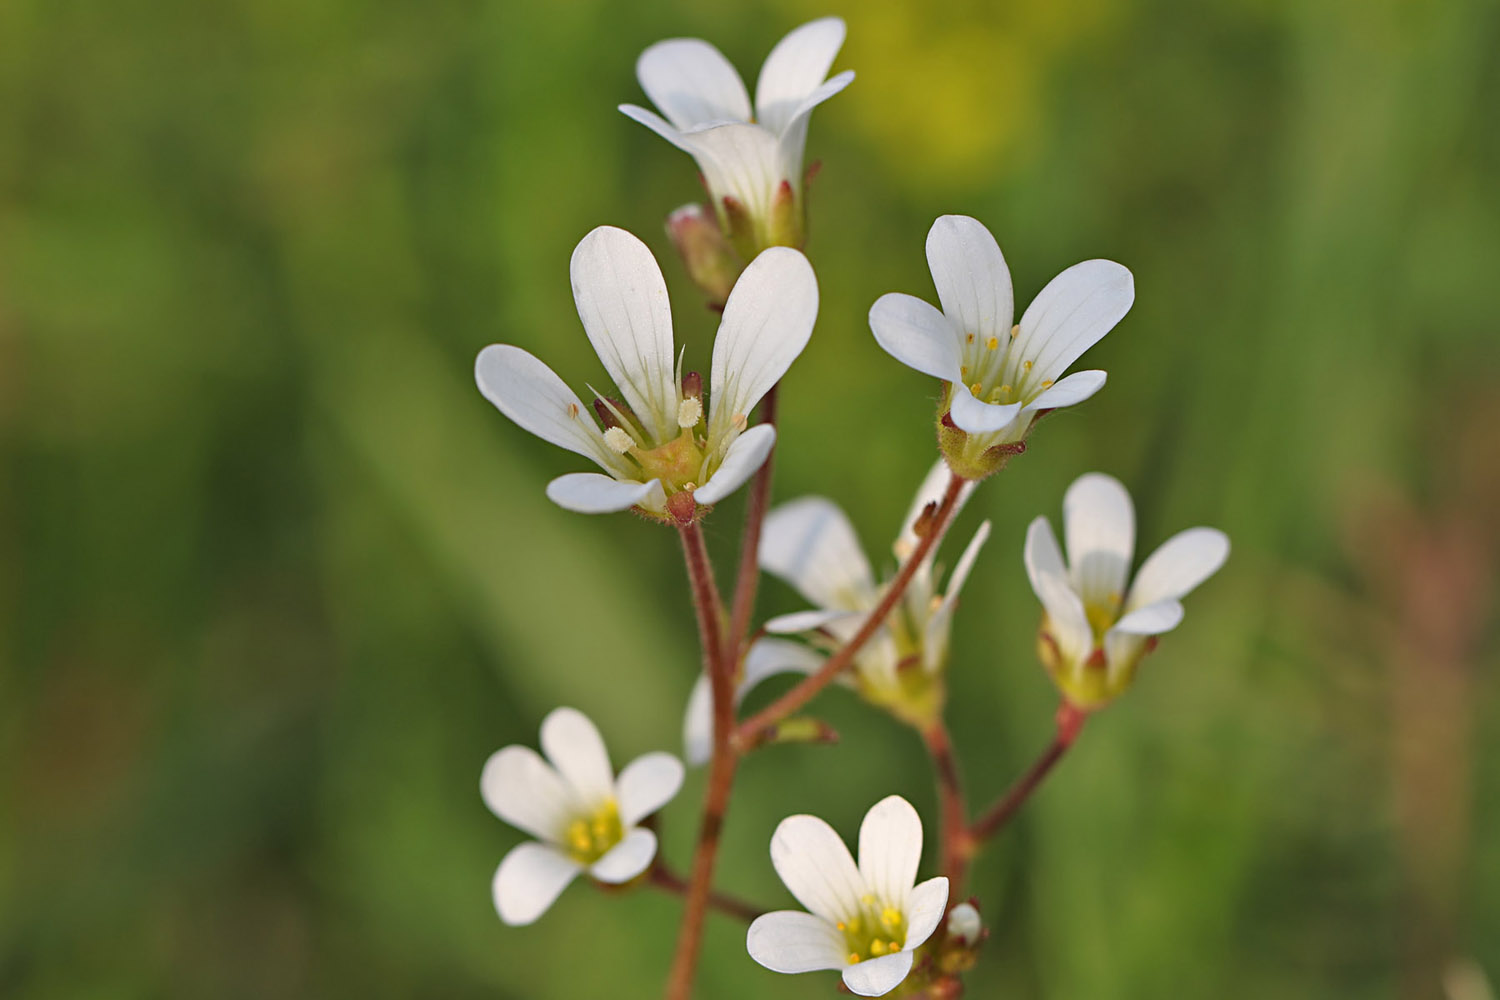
{"type": "Point", "coordinates": [671, 445]}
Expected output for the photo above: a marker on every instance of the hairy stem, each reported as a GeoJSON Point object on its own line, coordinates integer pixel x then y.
{"type": "Point", "coordinates": [721, 766]}
{"type": "Point", "coordinates": [747, 577]}
{"type": "Point", "coordinates": [1069, 721]}
{"type": "Point", "coordinates": [749, 730]}
{"type": "Point", "coordinates": [731, 906]}
{"type": "Point", "coordinates": [955, 832]}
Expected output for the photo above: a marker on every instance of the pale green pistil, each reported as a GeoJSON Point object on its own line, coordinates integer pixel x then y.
{"type": "Point", "coordinates": [589, 838]}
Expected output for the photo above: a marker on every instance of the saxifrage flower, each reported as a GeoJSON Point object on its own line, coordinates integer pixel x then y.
{"type": "Point", "coordinates": [667, 452]}
{"type": "Point", "coordinates": [1098, 623]}
{"type": "Point", "coordinates": [584, 819]}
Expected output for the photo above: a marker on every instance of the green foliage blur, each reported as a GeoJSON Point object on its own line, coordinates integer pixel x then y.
{"type": "Point", "coordinates": [275, 579]}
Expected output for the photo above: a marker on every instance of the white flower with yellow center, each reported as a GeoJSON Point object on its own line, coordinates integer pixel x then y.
{"type": "Point", "coordinates": [1000, 376]}
{"type": "Point", "coordinates": [583, 818]}
{"type": "Point", "coordinates": [751, 159]}
{"type": "Point", "coordinates": [811, 544]}
{"type": "Point", "coordinates": [666, 452]}
{"type": "Point", "coordinates": [864, 919]}
{"type": "Point", "coordinates": [1098, 623]}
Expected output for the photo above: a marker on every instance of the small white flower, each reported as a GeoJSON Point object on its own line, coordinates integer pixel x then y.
{"type": "Point", "coordinates": [866, 919]}
{"type": "Point", "coordinates": [964, 924]}
{"type": "Point", "coordinates": [1096, 628]}
{"type": "Point", "coordinates": [751, 159]}
{"type": "Point", "coordinates": [811, 544]}
{"type": "Point", "coordinates": [1000, 376]}
{"type": "Point", "coordinates": [656, 444]}
{"type": "Point", "coordinates": [583, 818]}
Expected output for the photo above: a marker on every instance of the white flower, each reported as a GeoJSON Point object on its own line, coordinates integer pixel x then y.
{"type": "Point", "coordinates": [583, 818]}
{"type": "Point", "coordinates": [1096, 628]}
{"type": "Point", "coordinates": [751, 160]}
{"type": "Point", "coordinates": [657, 443]}
{"type": "Point", "coordinates": [1000, 376]}
{"type": "Point", "coordinates": [866, 920]}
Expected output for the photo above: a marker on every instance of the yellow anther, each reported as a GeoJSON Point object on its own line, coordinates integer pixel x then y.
{"type": "Point", "coordinates": [739, 420]}
{"type": "Point", "coordinates": [992, 343]}
{"type": "Point", "coordinates": [976, 388]}
{"type": "Point", "coordinates": [573, 409]}
{"type": "Point", "coordinates": [963, 371]}
{"type": "Point", "coordinates": [1015, 331]}
{"type": "Point", "coordinates": [890, 916]}
{"type": "Point", "coordinates": [619, 440]}
{"type": "Point", "coordinates": [877, 947]}
{"type": "Point", "coordinates": [970, 338]}
{"type": "Point", "coordinates": [867, 898]}
{"type": "Point", "coordinates": [840, 925]}
{"type": "Point", "coordinates": [1047, 384]}
{"type": "Point", "coordinates": [1005, 390]}
{"type": "Point", "coordinates": [854, 958]}
{"type": "Point", "coordinates": [1026, 365]}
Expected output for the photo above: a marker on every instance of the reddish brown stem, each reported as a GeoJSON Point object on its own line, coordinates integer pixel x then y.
{"type": "Point", "coordinates": [669, 881]}
{"type": "Point", "coordinates": [747, 578]}
{"type": "Point", "coordinates": [721, 765]}
{"type": "Point", "coordinates": [1069, 721]}
{"type": "Point", "coordinates": [955, 814]}
{"type": "Point", "coordinates": [800, 695]}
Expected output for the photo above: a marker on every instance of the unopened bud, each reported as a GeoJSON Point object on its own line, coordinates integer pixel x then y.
{"type": "Point", "coordinates": [922, 527]}
{"type": "Point", "coordinates": [785, 225]}
{"type": "Point", "coordinates": [692, 386]}
{"type": "Point", "coordinates": [612, 412]}
{"type": "Point", "coordinates": [711, 262]}
{"type": "Point", "coordinates": [964, 924]}
{"type": "Point", "coordinates": [798, 729]}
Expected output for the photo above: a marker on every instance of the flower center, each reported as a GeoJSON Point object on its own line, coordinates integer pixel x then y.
{"type": "Point", "coordinates": [588, 838]}
{"type": "Point", "coordinates": [994, 375]}
{"type": "Point", "coordinates": [1103, 614]}
{"type": "Point", "coordinates": [676, 463]}
{"type": "Point", "coordinates": [876, 930]}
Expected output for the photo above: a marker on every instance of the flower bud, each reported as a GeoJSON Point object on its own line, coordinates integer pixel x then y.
{"type": "Point", "coordinates": [711, 262]}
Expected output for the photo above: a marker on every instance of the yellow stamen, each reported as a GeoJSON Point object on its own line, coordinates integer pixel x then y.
{"type": "Point", "coordinates": [992, 343]}
{"type": "Point", "coordinates": [1047, 384]}
{"type": "Point", "coordinates": [976, 388]}
{"type": "Point", "coordinates": [971, 338]}
{"type": "Point", "coordinates": [877, 947]}
{"type": "Point", "coordinates": [854, 958]}
{"type": "Point", "coordinates": [1015, 331]}
{"type": "Point", "coordinates": [1026, 365]}
{"type": "Point", "coordinates": [573, 410]}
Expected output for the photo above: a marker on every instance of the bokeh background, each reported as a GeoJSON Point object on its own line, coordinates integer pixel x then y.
{"type": "Point", "coordinates": [275, 580]}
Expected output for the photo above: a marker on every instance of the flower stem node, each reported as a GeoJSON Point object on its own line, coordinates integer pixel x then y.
{"type": "Point", "coordinates": [711, 262]}
{"type": "Point", "coordinates": [1097, 625]}
{"type": "Point", "coordinates": [798, 729]}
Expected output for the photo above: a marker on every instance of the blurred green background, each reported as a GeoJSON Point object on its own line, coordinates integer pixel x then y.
{"type": "Point", "coordinates": [275, 580]}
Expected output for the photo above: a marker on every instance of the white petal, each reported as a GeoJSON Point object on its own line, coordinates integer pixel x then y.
{"type": "Point", "coordinates": [659, 125]}
{"type": "Point", "coordinates": [572, 743]}
{"type": "Point", "coordinates": [924, 911]}
{"type": "Point", "coordinates": [794, 69]}
{"type": "Point", "coordinates": [931, 491]}
{"type": "Point", "coordinates": [878, 976]}
{"type": "Point", "coordinates": [890, 848]}
{"type": "Point", "coordinates": [816, 867]}
{"type": "Point", "coordinates": [1122, 650]}
{"type": "Point", "coordinates": [1153, 619]}
{"type": "Point", "coordinates": [964, 923]}
{"type": "Point", "coordinates": [746, 453]}
{"type": "Point", "coordinates": [1099, 522]}
{"type": "Point", "coordinates": [525, 791]}
{"type": "Point", "coordinates": [935, 643]}
{"type": "Point", "coordinates": [1183, 561]}
{"type": "Point", "coordinates": [531, 394]}
{"type": "Point", "coordinates": [793, 941]}
{"type": "Point", "coordinates": [1076, 308]}
{"type": "Point", "coordinates": [591, 493]}
{"type": "Point", "coordinates": [793, 138]}
{"type": "Point", "coordinates": [692, 83]}
{"type": "Point", "coordinates": [646, 784]}
{"type": "Point", "coordinates": [744, 161]}
{"type": "Point", "coordinates": [976, 417]}
{"type": "Point", "coordinates": [698, 723]}
{"type": "Point", "coordinates": [527, 882]}
{"type": "Point", "coordinates": [627, 859]}
{"type": "Point", "coordinates": [769, 657]}
{"type": "Point", "coordinates": [1049, 581]}
{"type": "Point", "coordinates": [973, 282]}
{"type": "Point", "coordinates": [622, 300]}
{"type": "Point", "coordinates": [767, 322]}
{"type": "Point", "coordinates": [807, 621]}
{"type": "Point", "coordinates": [916, 334]}
{"type": "Point", "coordinates": [810, 544]}
{"type": "Point", "coordinates": [1074, 389]}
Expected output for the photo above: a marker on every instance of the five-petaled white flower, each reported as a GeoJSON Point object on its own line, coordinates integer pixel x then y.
{"type": "Point", "coordinates": [999, 377]}
{"type": "Point", "coordinates": [751, 160]}
{"type": "Point", "coordinates": [811, 544]}
{"type": "Point", "coordinates": [583, 818]}
{"type": "Point", "coordinates": [1096, 628]}
{"type": "Point", "coordinates": [866, 919]}
{"type": "Point", "coordinates": [663, 453]}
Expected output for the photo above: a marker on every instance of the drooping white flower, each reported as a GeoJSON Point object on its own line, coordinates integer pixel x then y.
{"type": "Point", "coordinates": [864, 919]}
{"type": "Point", "coordinates": [751, 159]}
{"type": "Point", "coordinates": [584, 819]}
{"type": "Point", "coordinates": [1098, 623]}
{"type": "Point", "coordinates": [1000, 377]}
{"type": "Point", "coordinates": [657, 442]}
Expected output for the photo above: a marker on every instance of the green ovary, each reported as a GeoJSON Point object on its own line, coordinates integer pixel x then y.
{"type": "Point", "coordinates": [589, 838]}
{"type": "Point", "coordinates": [675, 463]}
{"type": "Point", "coordinates": [874, 931]}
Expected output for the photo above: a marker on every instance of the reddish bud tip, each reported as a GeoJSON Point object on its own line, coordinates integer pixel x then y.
{"type": "Point", "coordinates": [692, 386]}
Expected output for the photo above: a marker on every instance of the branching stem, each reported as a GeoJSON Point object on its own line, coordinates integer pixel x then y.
{"type": "Point", "coordinates": [1070, 721]}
